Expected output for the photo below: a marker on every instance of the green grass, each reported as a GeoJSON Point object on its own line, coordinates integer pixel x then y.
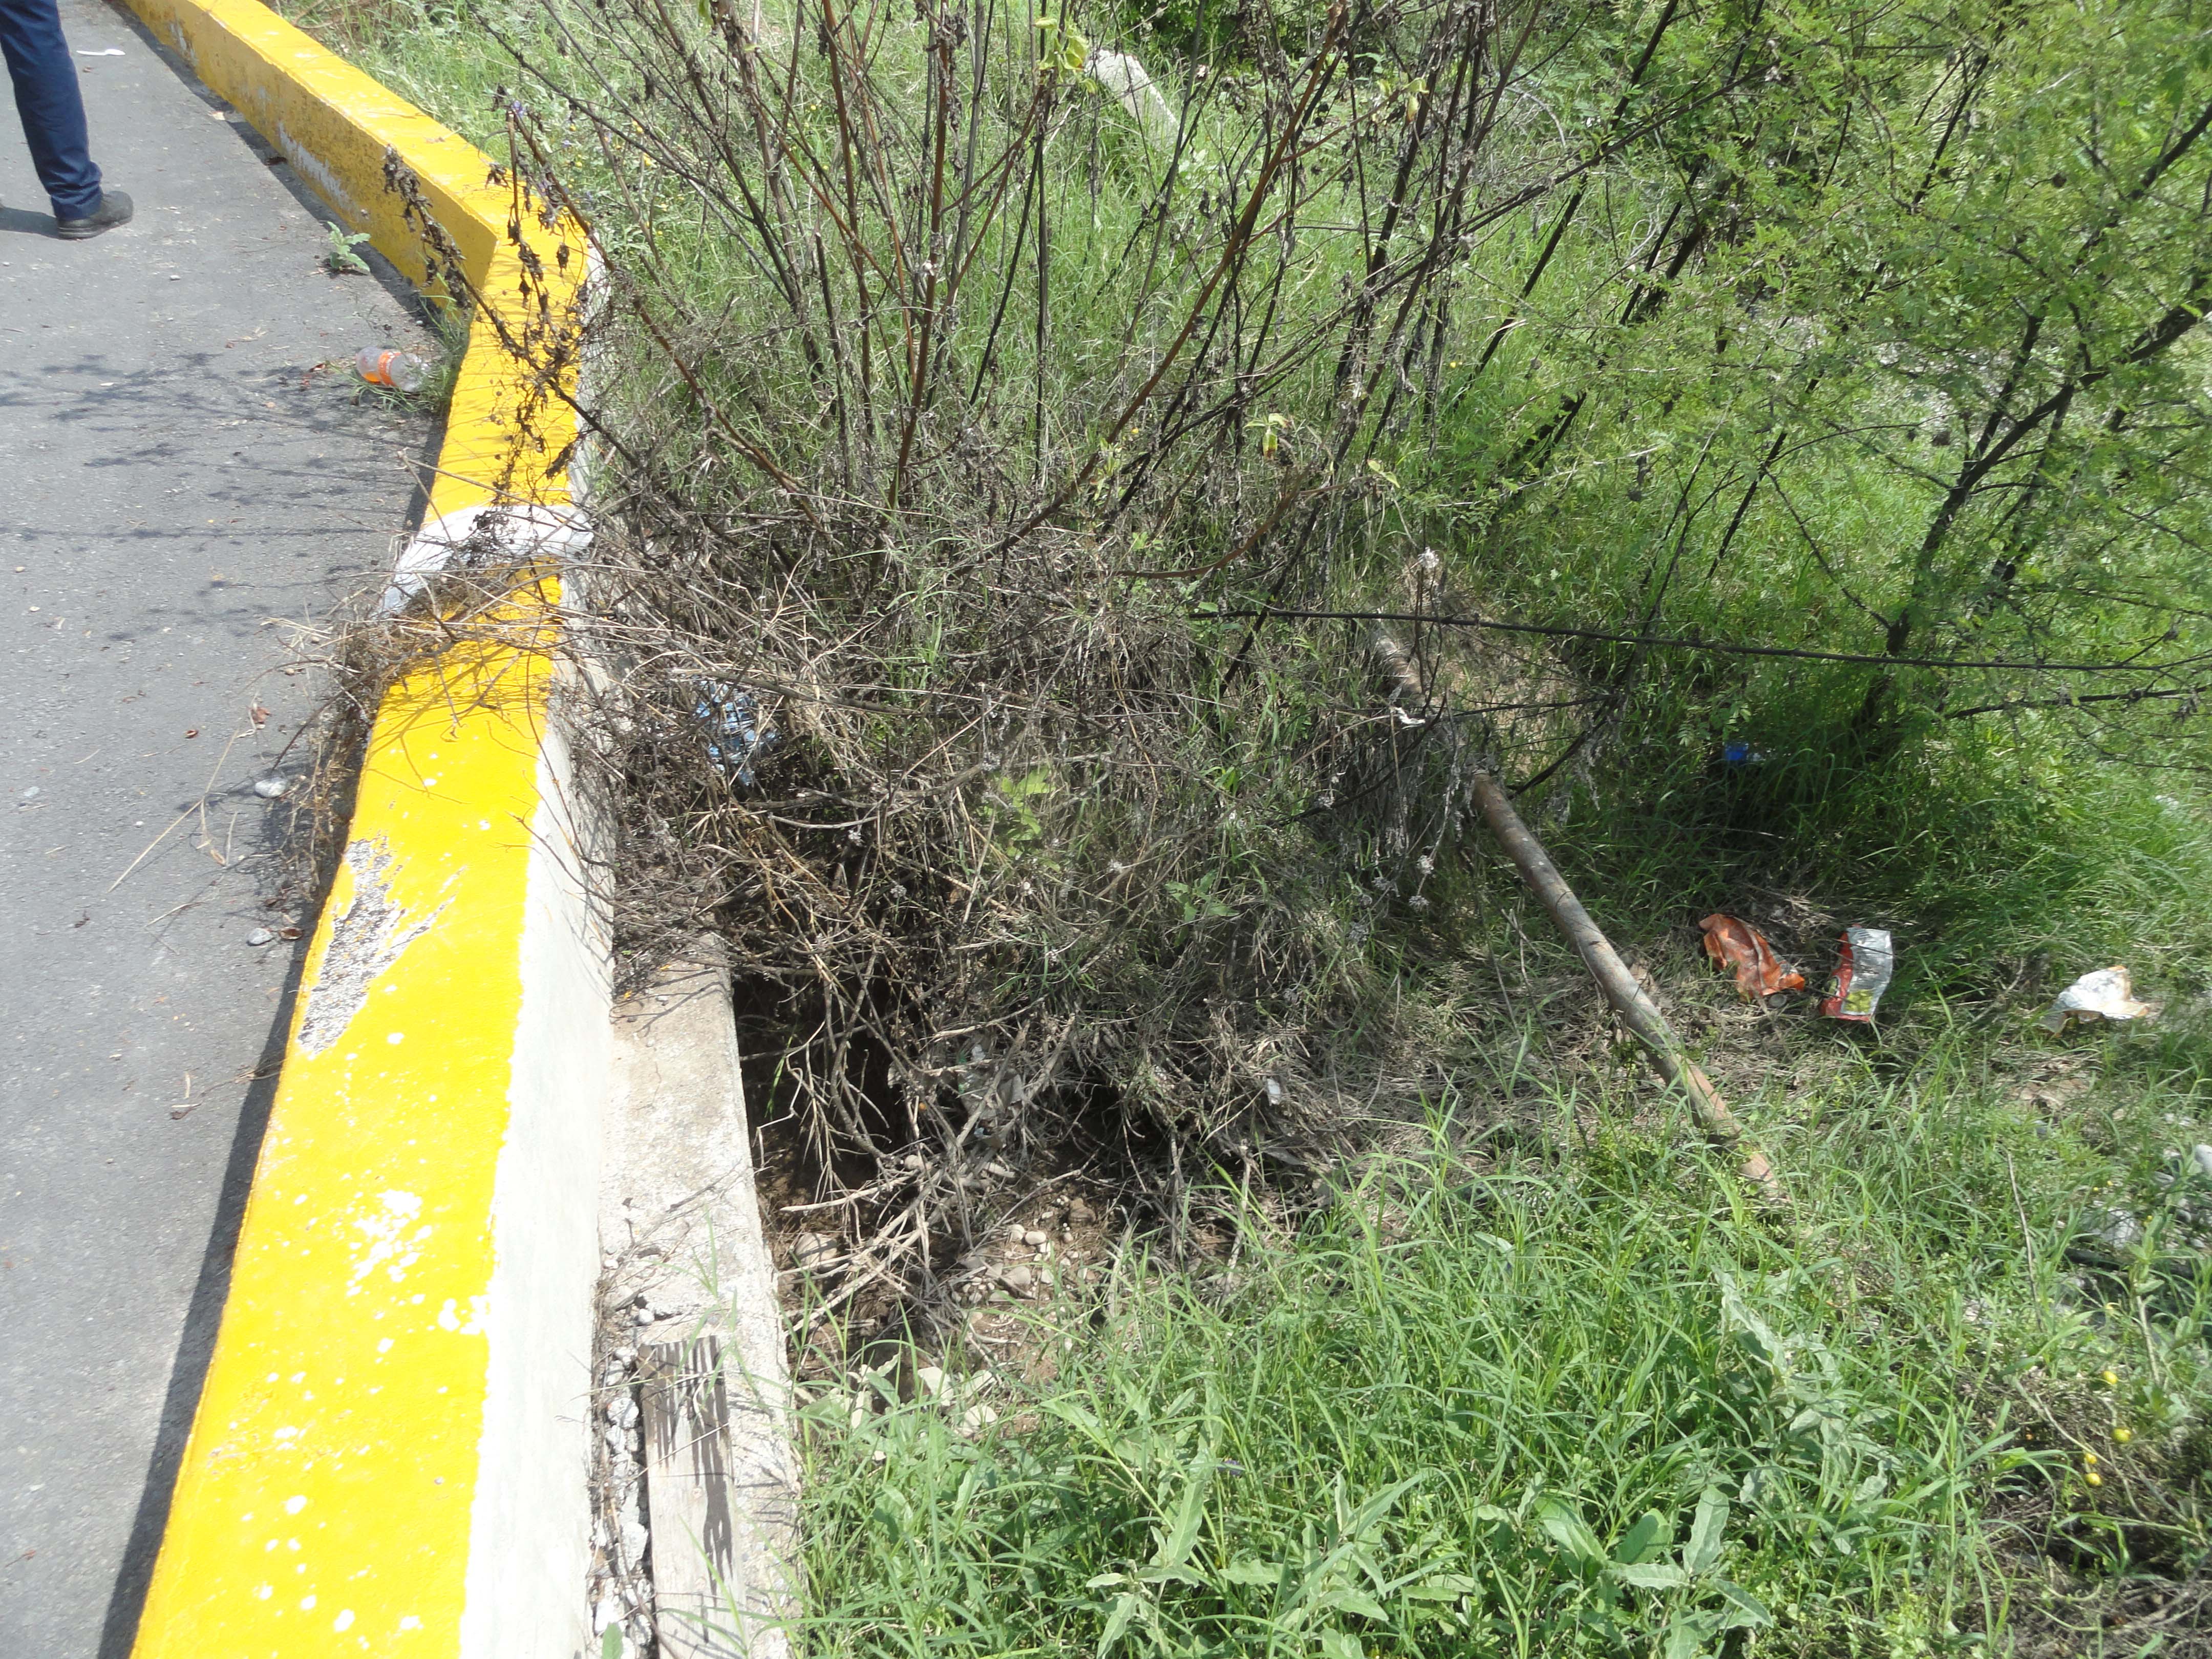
{"type": "Point", "coordinates": [1576, 1397]}
{"type": "Point", "coordinates": [1481, 1410]}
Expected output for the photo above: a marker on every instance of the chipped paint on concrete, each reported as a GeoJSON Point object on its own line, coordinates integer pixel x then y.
{"type": "Point", "coordinates": [369, 933]}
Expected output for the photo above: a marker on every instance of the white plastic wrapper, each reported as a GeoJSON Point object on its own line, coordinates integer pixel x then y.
{"type": "Point", "coordinates": [1861, 976]}
{"type": "Point", "coordinates": [2105, 994]}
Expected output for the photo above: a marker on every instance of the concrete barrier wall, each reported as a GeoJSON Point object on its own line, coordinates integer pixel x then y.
{"type": "Point", "coordinates": [390, 1448]}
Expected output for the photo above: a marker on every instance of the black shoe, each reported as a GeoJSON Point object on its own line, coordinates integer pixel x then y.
{"type": "Point", "coordinates": [114, 210]}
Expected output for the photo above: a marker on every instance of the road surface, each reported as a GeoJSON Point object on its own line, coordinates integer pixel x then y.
{"type": "Point", "coordinates": [181, 487]}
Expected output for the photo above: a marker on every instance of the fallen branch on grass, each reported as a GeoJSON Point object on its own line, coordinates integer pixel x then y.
{"type": "Point", "coordinates": [1636, 1011]}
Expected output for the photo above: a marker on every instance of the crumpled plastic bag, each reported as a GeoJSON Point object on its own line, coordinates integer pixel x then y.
{"type": "Point", "coordinates": [1863, 974]}
{"type": "Point", "coordinates": [1733, 943]}
{"type": "Point", "coordinates": [2104, 994]}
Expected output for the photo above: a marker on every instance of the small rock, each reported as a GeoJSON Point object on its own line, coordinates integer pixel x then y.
{"type": "Point", "coordinates": [930, 1379]}
{"type": "Point", "coordinates": [260, 936]}
{"type": "Point", "coordinates": [812, 1252]}
{"type": "Point", "coordinates": [1018, 1278]}
{"type": "Point", "coordinates": [999, 1298]}
{"type": "Point", "coordinates": [272, 787]}
{"type": "Point", "coordinates": [608, 1612]}
{"type": "Point", "coordinates": [1017, 1233]}
{"type": "Point", "coordinates": [976, 1417]}
{"type": "Point", "coordinates": [1035, 1238]}
{"type": "Point", "coordinates": [2201, 1158]}
{"type": "Point", "coordinates": [1080, 1214]}
{"type": "Point", "coordinates": [644, 1313]}
{"type": "Point", "coordinates": [2115, 1228]}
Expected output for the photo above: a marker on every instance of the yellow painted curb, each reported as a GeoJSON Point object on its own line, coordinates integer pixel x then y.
{"type": "Point", "coordinates": [390, 1449]}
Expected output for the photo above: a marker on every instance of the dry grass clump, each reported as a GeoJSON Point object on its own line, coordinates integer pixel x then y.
{"type": "Point", "coordinates": [951, 420]}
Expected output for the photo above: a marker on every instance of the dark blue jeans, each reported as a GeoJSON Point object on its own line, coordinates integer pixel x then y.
{"type": "Point", "coordinates": [52, 107]}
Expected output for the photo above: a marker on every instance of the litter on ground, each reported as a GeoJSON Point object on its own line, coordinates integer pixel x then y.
{"type": "Point", "coordinates": [1861, 976]}
{"type": "Point", "coordinates": [2104, 994]}
{"type": "Point", "coordinates": [1735, 944]}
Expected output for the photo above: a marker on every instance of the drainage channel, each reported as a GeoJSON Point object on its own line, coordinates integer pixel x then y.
{"type": "Point", "coordinates": [694, 1485]}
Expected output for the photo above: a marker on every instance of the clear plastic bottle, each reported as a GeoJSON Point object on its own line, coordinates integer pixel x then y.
{"type": "Point", "coordinates": [403, 370]}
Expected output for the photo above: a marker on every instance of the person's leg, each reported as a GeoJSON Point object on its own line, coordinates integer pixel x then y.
{"type": "Point", "coordinates": [51, 104]}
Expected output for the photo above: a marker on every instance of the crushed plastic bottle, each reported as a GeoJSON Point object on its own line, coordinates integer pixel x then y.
{"type": "Point", "coordinates": [737, 733]}
{"type": "Point", "coordinates": [403, 370]}
{"type": "Point", "coordinates": [1861, 976]}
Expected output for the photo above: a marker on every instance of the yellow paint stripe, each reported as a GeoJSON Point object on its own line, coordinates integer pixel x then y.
{"type": "Point", "coordinates": [335, 124]}
{"type": "Point", "coordinates": [324, 1501]}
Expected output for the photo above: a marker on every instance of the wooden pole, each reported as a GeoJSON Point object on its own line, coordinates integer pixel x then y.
{"type": "Point", "coordinates": [1636, 1011]}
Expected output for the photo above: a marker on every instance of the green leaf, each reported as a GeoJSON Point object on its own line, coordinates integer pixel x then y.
{"type": "Point", "coordinates": [1252, 1572]}
{"type": "Point", "coordinates": [1743, 1610]}
{"type": "Point", "coordinates": [1648, 1575]}
{"type": "Point", "coordinates": [1570, 1531]}
{"type": "Point", "coordinates": [1443, 1587]}
{"type": "Point", "coordinates": [1341, 1645]}
{"type": "Point", "coordinates": [1189, 1512]}
{"type": "Point", "coordinates": [894, 1515]}
{"type": "Point", "coordinates": [1353, 1599]}
{"type": "Point", "coordinates": [611, 1644]}
{"type": "Point", "coordinates": [1703, 1552]}
{"type": "Point", "coordinates": [1687, 1634]}
{"type": "Point", "coordinates": [1649, 1533]}
{"type": "Point", "coordinates": [1125, 1609]}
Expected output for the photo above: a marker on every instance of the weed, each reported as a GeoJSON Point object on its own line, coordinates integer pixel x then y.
{"type": "Point", "coordinates": [339, 258]}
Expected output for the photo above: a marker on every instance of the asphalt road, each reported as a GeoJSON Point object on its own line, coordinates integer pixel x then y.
{"type": "Point", "coordinates": [178, 484]}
